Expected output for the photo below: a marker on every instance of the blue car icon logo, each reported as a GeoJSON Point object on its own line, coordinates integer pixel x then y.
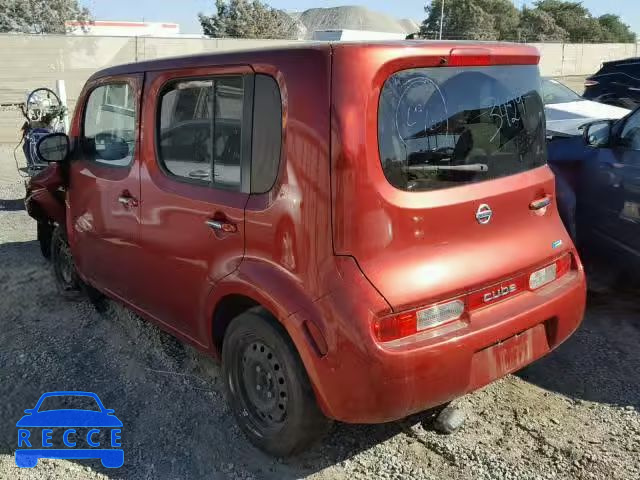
{"type": "Point", "coordinates": [70, 432]}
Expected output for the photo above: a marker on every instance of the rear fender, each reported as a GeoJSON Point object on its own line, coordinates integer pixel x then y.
{"type": "Point", "coordinates": [316, 332]}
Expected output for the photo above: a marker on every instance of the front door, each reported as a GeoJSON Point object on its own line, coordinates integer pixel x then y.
{"type": "Point", "coordinates": [104, 184]}
{"type": "Point", "coordinates": [628, 218]}
{"type": "Point", "coordinates": [610, 200]}
{"type": "Point", "coordinates": [194, 186]}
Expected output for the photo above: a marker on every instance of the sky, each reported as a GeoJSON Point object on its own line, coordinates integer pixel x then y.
{"type": "Point", "coordinates": [185, 12]}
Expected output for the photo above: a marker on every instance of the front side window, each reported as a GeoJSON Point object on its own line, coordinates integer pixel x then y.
{"type": "Point", "coordinates": [449, 126]}
{"type": "Point", "coordinates": [630, 135]}
{"type": "Point", "coordinates": [109, 129]}
{"type": "Point", "coordinates": [200, 131]}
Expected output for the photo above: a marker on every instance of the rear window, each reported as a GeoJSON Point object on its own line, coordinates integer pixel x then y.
{"type": "Point", "coordinates": [445, 127]}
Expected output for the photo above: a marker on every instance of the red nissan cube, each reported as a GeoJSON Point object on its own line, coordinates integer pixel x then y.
{"type": "Point", "coordinates": [359, 231]}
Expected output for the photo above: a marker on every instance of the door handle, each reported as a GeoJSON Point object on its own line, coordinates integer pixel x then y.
{"type": "Point", "coordinates": [222, 226]}
{"type": "Point", "coordinates": [540, 203]}
{"type": "Point", "coordinates": [127, 200]}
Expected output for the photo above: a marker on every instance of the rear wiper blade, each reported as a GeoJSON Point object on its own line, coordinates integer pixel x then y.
{"type": "Point", "coordinates": [472, 167]}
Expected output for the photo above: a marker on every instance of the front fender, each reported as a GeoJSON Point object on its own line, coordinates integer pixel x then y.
{"type": "Point", "coordinates": [43, 202]}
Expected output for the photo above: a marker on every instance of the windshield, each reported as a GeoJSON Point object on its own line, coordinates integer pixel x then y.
{"type": "Point", "coordinates": [556, 92]}
{"type": "Point", "coordinates": [444, 127]}
{"type": "Point", "coordinates": [69, 402]}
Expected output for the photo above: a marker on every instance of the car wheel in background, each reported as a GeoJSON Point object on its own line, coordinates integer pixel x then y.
{"type": "Point", "coordinates": [64, 268]}
{"type": "Point", "coordinates": [267, 386]}
{"type": "Point", "coordinates": [45, 230]}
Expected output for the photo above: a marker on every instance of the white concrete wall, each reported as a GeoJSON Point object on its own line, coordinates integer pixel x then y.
{"type": "Point", "coordinates": [30, 61]}
{"type": "Point", "coordinates": [561, 59]}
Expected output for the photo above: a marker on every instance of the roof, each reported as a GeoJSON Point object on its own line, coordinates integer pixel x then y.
{"type": "Point", "coordinates": [254, 55]}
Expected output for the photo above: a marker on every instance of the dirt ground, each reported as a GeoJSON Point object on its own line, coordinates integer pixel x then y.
{"type": "Point", "coordinates": [572, 415]}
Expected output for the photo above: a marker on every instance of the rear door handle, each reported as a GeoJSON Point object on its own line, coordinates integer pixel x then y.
{"type": "Point", "coordinates": [222, 226]}
{"type": "Point", "coordinates": [540, 203]}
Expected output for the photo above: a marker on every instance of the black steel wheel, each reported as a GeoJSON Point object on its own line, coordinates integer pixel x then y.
{"type": "Point", "coordinates": [267, 387]}
{"type": "Point", "coordinates": [64, 268]}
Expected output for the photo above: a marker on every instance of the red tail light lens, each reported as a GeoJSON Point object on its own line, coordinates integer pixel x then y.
{"type": "Point", "coordinates": [410, 323]}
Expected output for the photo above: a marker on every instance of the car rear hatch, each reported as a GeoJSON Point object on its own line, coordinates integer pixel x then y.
{"type": "Point", "coordinates": [440, 182]}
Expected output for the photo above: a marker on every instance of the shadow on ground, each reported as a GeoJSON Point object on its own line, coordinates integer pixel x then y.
{"type": "Point", "coordinates": [176, 422]}
{"type": "Point", "coordinates": [600, 362]}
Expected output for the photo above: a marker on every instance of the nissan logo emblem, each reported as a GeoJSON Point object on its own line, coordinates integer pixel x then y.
{"type": "Point", "coordinates": [484, 214]}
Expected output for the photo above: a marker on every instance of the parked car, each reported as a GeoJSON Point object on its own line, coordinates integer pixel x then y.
{"type": "Point", "coordinates": [358, 234]}
{"type": "Point", "coordinates": [603, 169]}
{"type": "Point", "coordinates": [566, 111]}
{"type": "Point", "coordinates": [616, 83]}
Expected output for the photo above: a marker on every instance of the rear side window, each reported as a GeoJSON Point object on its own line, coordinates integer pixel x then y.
{"type": "Point", "coordinates": [267, 134]}
{"type": "Point", "coordinates": [448, 126]}
{"type": "Point", "coordinates": [109, 128]}
{"type": "Point", "coordinates": [200, 131]}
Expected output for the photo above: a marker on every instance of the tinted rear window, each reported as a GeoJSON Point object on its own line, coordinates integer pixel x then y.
{"type": "Point", "coordinates": [445, 127]}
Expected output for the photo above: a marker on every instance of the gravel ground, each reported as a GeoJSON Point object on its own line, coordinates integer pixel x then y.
{"type": "Point", "coordinates": [574, 414]}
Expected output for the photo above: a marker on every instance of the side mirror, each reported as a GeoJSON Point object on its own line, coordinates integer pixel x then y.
{"type": "Point", "coordinates": [598, 134]}
{"type": "Point", "coordinates": [29, 411]}
{"type": "Point", "coordinates": [109, 411]}
{"type": "Point", "coordinates": [53, 147]}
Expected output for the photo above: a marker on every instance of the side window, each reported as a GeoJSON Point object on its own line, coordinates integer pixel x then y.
{"type": "Point", "coordinates": [200, 131]}
{"type": "Point", "coordinates": [630, 136]}
{"type": "Point", "coordinates": [109, 128]}
{"type": "Point", "coordinates": [267, 134]}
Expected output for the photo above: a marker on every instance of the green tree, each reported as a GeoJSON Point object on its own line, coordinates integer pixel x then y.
{"type": "Point", "coordinates": [463, 19]}
{"type": "Point", "coordinates": [40, 16]}
{"type": "Point", "coordinates": [615, 30]}
{"type": "Point", "coordinates": [506, 17]}
{"type": "Point", "coordinates": [574, 18]}
{"type": "Point", "coordinates": [539, 26]}
{"type": "Point", "coordinates": [248, 19]}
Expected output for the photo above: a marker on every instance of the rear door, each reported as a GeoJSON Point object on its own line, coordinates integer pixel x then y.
{"type": "Point", "coordinates": [105, 183]}
{"type": "Point", "coordinates": [455, 194]}
{"type": "Point", "coordinates": [195, 184]}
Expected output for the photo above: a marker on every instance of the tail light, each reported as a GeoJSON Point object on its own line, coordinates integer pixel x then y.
{"type": "Point", "coordinates": [590, 83]}
{"type": "Point", "coordinates": [405, 324]}
{"type": "Point", "coordinates": [410, 323]}
{"type": "Point", "coordinates": [548, 274]}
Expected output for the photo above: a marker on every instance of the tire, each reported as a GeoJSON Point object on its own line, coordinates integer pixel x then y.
{"type": "Point", "coordinates": [267, 387]}
{"type": "Point", "coordinates": [64, 269]}
{"type": "Point", "coordinates": [45, 230]}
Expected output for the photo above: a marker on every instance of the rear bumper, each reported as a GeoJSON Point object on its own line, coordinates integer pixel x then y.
{"type": "Point", "coordinates": [361, 381]}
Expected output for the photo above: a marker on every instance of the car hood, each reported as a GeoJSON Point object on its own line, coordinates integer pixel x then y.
{"type": "Point", "coordinates": [566, 117]}
{"type": "Point", "coordinates": [69, 418]}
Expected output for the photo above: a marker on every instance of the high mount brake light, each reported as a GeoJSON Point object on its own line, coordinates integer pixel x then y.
{"type": "Point", "coordinates": [469, 57]}
{"type": "Point", "coordinates": [445, 314]}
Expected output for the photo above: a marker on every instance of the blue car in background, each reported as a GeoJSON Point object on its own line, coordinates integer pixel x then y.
{"type": "Point", "coordinates": [598, 180]}
{"type": "Point", "coordinates": [80, 430]}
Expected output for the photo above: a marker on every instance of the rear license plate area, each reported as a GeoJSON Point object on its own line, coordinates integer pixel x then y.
{"type": "Point", "coordinates": [508, 356]}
